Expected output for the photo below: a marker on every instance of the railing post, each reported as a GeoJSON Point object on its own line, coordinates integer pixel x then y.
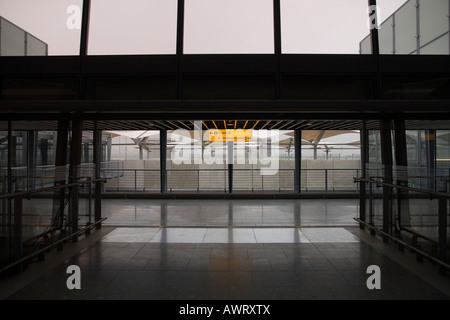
{"type": "Point", "coordinates": [326, 180]}
{"type": "Point", "coordinates": [386, 154]}
{"type": "Point", "coordinates": [75, 160]}
{"type": "Point", "coordinates": [98, 185]}
{"type": "Point", "coordinates": [364, 138]}
{"type": "Point", "coordinates": [372, 231]}
{"type": "Point", "coordinates": [18, 250]}
{"type": "Point", "coordinates": [298, 160]}
{"type": "Point", "coordinates": [230, 161]}
{"type": "Point", "coordinates": [442, 228]}
{"type": "Point", "coordinates": [163, 159]}
{"type": "Point", "coordinates": [90, 203]}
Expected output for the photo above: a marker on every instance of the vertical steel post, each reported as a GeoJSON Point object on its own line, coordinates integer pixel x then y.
{"type": "Point", "coordinates": [298, 161]}
{"type": "Point", "coordinates": [31, 155]}
{"type": "Point", "coordinates": [364, 139]}
{"type": "Point", "coordinates": [376, 52]}
{"type": "Point", "coordinates": [10, 188]}
{"type": "Point", "coordinates": [85, 27]}
{"type": "Point", "coordinates": [430, 145]}
{"type": "Point", "coordinates": [230, 161]}
{"type": "Point", "coordinates": [277, 45]}
{"type": "Point", "coordinates": [180, 47]}
{"type": "Point", "coordinates": [401, 159]}
{"type": "Point", "coordinates": [442, 227]}
{"type": "Point", "coordinates": [418, 26]}
{"type": "Point", "coordinates": [60, 164]}
{"type": "Point", "coordinates": [75, 161]}
{"type": "Point", "coordinates": [18, 248]}
{"type": "Point", "coordinates": [386, 155]}
{"type": "Point", "coordinates": [98, 185]}
{"type": "Point", "coordinates": [163, 159]}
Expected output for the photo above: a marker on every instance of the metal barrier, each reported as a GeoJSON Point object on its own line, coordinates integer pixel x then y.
{"type": "Point", "coordinates": [58, 244]}
{"type": "Point", "coordinates": [55, 234]}
{"type": "Point", "coordinates": [200, 180]}
{"type": "Point", "coordinates": [388, 219]}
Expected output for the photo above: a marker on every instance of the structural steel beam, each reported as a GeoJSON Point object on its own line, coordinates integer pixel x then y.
{"type": "Point", "coordinates": [386, 157]}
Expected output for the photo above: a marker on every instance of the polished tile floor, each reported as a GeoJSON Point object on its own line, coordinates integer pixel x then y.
{"type": "Point", "coordinates": [216, 213]}
{"type": "Point", "coordinates": [273, 259]}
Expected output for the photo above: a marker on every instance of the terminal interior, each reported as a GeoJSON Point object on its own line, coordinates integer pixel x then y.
{"type": "Point", "coordinates": [264, 150]}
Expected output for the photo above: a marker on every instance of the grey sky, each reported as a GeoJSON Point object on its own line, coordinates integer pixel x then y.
{"type": "Point", "coordinates": [211, 26]}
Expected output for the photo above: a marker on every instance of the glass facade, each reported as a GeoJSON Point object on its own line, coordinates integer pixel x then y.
{"type": "Point", "coordinates": [228, 26]}
{"type": "Point", "coordinates": [323, 26]}
{"type": "Point", "coordinates": [141, 27]}
{"type": "Point", "coordinates": [132, 27]}
{"type": "Point", "coordinates": [415, 27]}
{"type": "Point", "coordinates": [329, 161]}
{"type": "Point", "coordinates": [114, 90]}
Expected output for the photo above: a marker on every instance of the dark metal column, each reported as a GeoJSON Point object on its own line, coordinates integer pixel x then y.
{"type": "Point", "coordinates": [163, 159]}
{"type": "Point", "coordinates": [298, 161]}
{"type": "Point", "coordinates": [61, 170]}
{"type": "Point", "coordinates": [386, 155]}
{"type": "Point", "coordinates": [10, 157]}
{"type": "Point", "coordinates": [75, 161]}
{"type": "Point", "coordinates": [98, 165]}
{"type": "Point", "coordinates": [230, 161]}
{"type": "Point", "coordinates": [31, 157]}
{"type": "Point", "coordinates": [44, 151]}
{"type": "Point", "coordinates": [430, 145]}
{"type": "Point", "coordinates": [375, 50]}
{"type": "Point", "coordinates": [364, 137]}
{"type": "Point", "coordinates": [18, 247]}
{"type": "Point", "coordinates": [277, 44]}
{"type": "Point", "coordinates": [9, 190]}
{"type": "Point", "coordinates": [401, 160]}
{"type": "Point", "coordinates": [442, 229]}
{"type": "Point", "coordinates": [180, 46]}
{"type": "Point", "coordinates": [85, 27]}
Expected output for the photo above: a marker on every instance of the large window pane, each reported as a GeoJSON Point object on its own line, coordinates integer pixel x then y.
{"type": "Point", "coordinates": [414, 27]}
{"type": "Point", "coordinates": [12, 39]}
{"type": "Point", "coordinates": [53, 22]}
{"type": "Point", "coordinates": [228, 26]}
{"type": "Point", "coordinates": [35, 47]}
{"type": "Point", "coordinates": [323, 26]}
{"type": "Point", "coordinates": [386, 36]}
{"type": "Point", "coordinates": [434, 15]}
{"type": "Point", "coordinates": [406, 29]}
{"type": "Point", "coordinates": [365, 46]}
{"type": "Point", "coordinates": [132, 27]}
{"type": "Point", "coordinates": [437, 46]}
{"type": "Point", "coordinates": [386, 11]}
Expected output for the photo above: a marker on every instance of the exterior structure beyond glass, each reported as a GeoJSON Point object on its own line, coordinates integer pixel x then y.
{"type": "Point", "coordinates": [14, 41]}
{"type": "Point", "coordinates": [417, 27]}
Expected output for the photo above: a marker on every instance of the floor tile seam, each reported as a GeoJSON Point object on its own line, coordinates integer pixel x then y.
{"type": "Point", "coordinates": [335, 269]}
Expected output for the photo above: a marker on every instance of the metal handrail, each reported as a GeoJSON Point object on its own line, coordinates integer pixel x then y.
{"type": "Point", "coordinates": [392, 185]}
{"type": "Point", "coordinates": [328, 179]}
{"type": "Point", "coordinates": [51, 246]}
{"type": "Point", "coordinates": [403, 243]}
{"type": "Point", "coordinates": [29, 192]}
